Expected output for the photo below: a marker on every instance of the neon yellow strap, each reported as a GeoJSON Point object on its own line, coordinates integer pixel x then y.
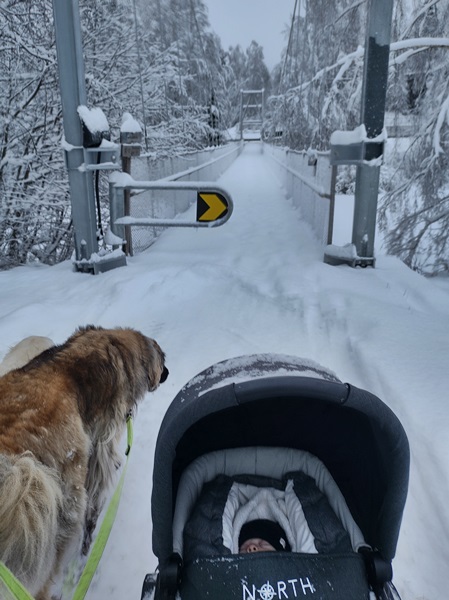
{"type": "Point", "coordinates": [17, 590]}
{"type": "Point", "coordinates": [13, 585]}
{"type": "Point", "coordinates": [105, 529]}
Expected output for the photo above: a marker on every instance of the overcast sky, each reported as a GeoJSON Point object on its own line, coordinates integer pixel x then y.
{"type": "Point", "coordinates": [241, 21]}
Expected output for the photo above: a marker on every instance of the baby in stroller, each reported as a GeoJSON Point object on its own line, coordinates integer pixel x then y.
{"type": "Point", "coordinates": [262, 535]}
{"type": "Point", "coordinates": [276, 448]}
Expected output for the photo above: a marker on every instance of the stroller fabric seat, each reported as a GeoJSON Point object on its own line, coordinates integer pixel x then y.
{"type": "Point", "coordinates": [222, 490]}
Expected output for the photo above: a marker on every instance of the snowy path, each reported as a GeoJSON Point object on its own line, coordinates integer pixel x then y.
{"type": "Point", "coordinates": [258, 284]}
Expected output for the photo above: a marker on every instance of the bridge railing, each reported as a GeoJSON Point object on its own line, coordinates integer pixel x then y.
{"type": "Point", "coordinates": [205, 165]}
{"type": "Point", "coordinates": [309, 181]}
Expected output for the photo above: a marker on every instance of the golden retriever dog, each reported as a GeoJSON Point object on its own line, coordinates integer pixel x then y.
{"type": "Point", "coordinates": [62, 416]}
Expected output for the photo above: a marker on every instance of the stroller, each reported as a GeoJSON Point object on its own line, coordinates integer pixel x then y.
{"type": "Point", "coordinates": [281, 438]}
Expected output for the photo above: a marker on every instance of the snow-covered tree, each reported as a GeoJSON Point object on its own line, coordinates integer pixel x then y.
{"type": "Point", "coordinates": [157, 59]}
{"type": "Point", "coordinates": [34, 208]}
{"type": "Point", "coordinates": [257, 76]}
{"type": "Point", "coordinates": [414, 212]}
{"type": "Point", "coordinates": [164, 66]}
{"type": "Point", "coordinates": [316, 79]}
{"type": "Point", "coordinates": [195, 84]}
{"type": "Point", "coordinates": [320, 91]}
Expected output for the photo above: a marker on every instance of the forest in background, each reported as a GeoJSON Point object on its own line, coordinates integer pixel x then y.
{"type": "Point", "coordinates": [319, 86]}
{"type": "Point", "coordinates": [160, 61]}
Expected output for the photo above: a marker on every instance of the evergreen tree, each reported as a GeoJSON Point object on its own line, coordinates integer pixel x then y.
{"type": "Point", "coordinates": [256, 75]}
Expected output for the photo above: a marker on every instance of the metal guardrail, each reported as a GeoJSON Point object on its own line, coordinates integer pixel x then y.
{"type": "Point", "coordinates": [208, 165]}
{"type": "Point", "coordinates": [159, 195]}
{"type": "Point", "coordinates": [214, 204]}
{"type": "Point", "coordinates": [213, 161]}
{"type": "Point", "coordinates": [309, 180]}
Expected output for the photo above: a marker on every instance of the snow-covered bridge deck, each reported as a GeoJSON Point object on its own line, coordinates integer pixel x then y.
{"type": "Point", "coordinates": [259, 284]}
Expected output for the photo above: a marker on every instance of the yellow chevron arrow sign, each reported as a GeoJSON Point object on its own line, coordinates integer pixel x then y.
{"type": "Point", "coordinates": [211, 206]}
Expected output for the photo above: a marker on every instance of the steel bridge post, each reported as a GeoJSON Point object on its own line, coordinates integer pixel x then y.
{"type": "Point", "coordinates": [241, 115]}
{"type": "Point", "coordinates": [375, 79]}
{"type": "Point", "coordinates": [73, 94]}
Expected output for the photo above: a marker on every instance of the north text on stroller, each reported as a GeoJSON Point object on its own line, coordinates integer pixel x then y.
{"type": "Point", "coordinates": [292, 588]}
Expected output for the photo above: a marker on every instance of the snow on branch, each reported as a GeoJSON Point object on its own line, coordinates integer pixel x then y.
{"type": "Point", "coordinates": [427, 42]}
{"type": "Point", "coordinates": [347, 10]}
{"type": "Point", "coordinates": [348, 58]}
{"type": "Point", "coordinates": [424, 9]}
{"type": "Point", "coordinates": [413, 45]}
{"type": "Point", "coordinates": [442, 115]}
{"type": "Point", "coordinates": [345, 66]}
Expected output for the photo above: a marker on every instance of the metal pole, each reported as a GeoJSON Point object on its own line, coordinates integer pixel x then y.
{"type": "Point", "coordinates": [73, 94]}
{"type": "Point", "coordinates": [262, 112]}
{"type": "Point", "coordinates": [375, 78]}
{"type": "Point", "coordinates": [128, 246]}
{"type": "Point", "coordinates": [117, 209]}
{"type": "Point", "coordinates": [330, 228]}
{"type": "Point", "coordinates": [241, 115]}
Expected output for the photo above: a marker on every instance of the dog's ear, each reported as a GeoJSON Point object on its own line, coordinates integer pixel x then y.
{"type": "Point", "coordinates": [157, 372]}
{"type": "Point", "coordinates": [164, 374]}
{"type": "Point", "coordinates": [151, 381]}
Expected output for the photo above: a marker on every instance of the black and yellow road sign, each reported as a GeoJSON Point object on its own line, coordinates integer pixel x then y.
{"type": "Point", "coordinates": [211, 206]}
{"type": "Point", "coordinates": [214, 204]}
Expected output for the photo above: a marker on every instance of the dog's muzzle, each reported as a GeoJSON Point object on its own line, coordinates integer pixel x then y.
{"type": "Point", "coordinates": [164, 375]}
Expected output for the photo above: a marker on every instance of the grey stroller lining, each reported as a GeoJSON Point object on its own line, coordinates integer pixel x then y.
{"type": "Point", "coordinates": [222, 490]}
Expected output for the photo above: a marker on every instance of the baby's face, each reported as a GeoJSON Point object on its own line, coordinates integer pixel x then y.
{"type": "Point", "coordinates": [256, 545]}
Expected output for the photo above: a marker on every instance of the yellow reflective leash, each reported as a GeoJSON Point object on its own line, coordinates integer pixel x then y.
{"type": "Point", "coordinates": [18, 592]}
{"type": "Point", "coordinates": [105, 528]}
{"type": "Point", "coordinates": [13, 586]}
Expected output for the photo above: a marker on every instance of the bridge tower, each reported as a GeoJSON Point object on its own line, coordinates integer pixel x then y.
{"type": "Point", "coordinates": [251, 114]}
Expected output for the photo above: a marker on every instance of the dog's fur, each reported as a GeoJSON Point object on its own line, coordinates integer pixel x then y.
{"type": "Point", "coordinates": [23, 352]}
{"type": "Point", "coordinates": [61, 418]}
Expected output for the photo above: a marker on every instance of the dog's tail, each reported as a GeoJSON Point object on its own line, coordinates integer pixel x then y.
{"type": "Point", "coordinates": [20, 354]}
{"type": "Point", "coordinates": [30, 501]}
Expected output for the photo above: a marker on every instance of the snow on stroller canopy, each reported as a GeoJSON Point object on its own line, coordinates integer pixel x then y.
{"type": "Point", "coordinates": [259, 366]}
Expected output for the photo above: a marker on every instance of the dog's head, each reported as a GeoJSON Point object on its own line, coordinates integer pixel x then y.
{"type": "Point", "coordinates": [119, 365]}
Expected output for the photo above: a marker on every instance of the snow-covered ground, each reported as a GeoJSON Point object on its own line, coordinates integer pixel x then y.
{"type": "Point", "coordinates": [258, 284]}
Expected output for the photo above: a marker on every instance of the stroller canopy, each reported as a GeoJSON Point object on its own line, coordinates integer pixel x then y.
{"type": "Point", "coordinates": [283, 401]}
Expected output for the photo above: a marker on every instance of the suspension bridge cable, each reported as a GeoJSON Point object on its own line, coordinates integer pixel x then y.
{"type": "Point", "coordinates": [139, 62]}
{"type": "Point", "coordinates": [203, 52]}
{"type": "Point", "coordinates": [288, 45]}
